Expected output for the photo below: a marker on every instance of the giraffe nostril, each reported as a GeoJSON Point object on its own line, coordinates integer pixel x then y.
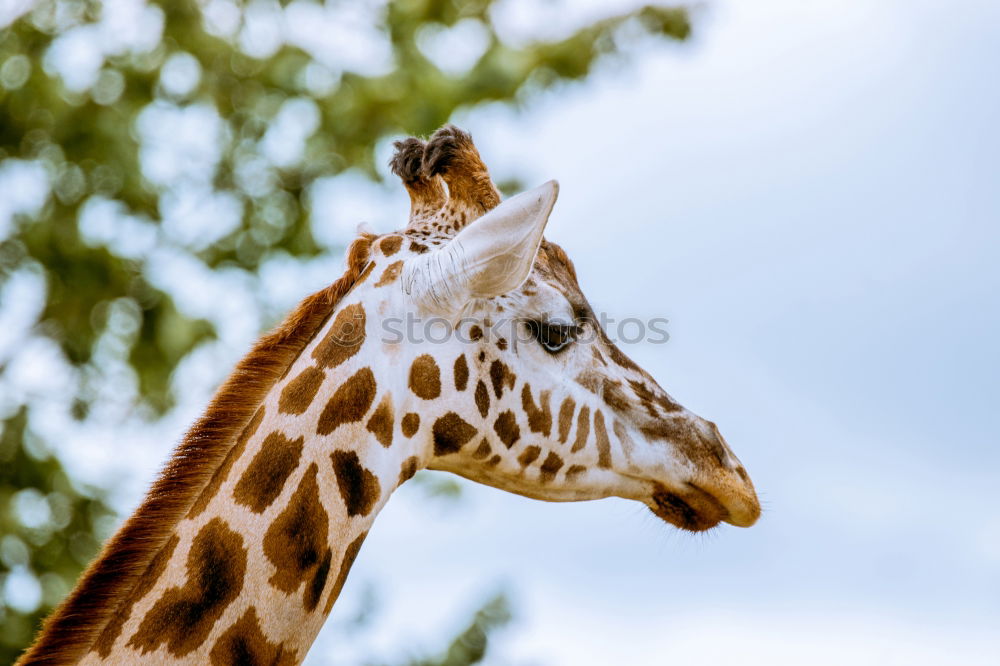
{"type": "Point", "coordinates": [743, 473]}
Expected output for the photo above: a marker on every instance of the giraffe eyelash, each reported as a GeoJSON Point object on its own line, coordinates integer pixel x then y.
{"type": "Point", "coordinates": [553, 337]}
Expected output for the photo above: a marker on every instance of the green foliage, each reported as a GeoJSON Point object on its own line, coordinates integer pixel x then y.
{"type": "Point", "coordinates": [471, 644]}
{"type": "Point", "coordinates": [49, 527]}
{"type": "Point", "coordinates": [92, 147]}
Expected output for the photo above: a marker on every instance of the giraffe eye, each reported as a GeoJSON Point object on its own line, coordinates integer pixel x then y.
{"type": "Point", "coordinates": [551, 336]}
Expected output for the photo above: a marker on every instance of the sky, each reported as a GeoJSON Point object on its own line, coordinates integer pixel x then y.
{"type": "Point", "coordinates": [808, 192]}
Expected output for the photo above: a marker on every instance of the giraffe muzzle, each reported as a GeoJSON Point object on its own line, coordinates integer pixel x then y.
{"type": "Point", "coordinates": [699, 507]}
{"type": "Point", "coordinates": [719, 491]}
{"type": "Point", "coordinates": [731, 486]}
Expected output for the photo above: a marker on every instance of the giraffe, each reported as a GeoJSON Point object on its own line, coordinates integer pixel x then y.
{"type": "Point", "coordinates": [240, 549]}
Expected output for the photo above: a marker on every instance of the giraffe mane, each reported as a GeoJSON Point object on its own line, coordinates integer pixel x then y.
{"type": "Point", "coordinates": [77, 622]}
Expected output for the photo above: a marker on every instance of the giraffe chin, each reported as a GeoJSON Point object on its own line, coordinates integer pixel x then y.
{"type": "Point", "coordinates": [692, 509]}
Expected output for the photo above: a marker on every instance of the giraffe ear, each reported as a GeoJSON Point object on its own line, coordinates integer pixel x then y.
{"type": "Point", "coordinates": [489, 257]}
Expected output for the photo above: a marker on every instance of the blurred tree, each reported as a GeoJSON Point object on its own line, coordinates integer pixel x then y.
{"type": "Point", "coordinates": [99, 171]}
{"type": "Point", "coordinates": [471, 644]}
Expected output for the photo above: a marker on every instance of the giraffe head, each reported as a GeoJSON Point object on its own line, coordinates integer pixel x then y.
{"type": "Point", "coordinates": [499, 369]}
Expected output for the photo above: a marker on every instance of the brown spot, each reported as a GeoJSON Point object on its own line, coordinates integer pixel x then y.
{"type": "Point", "coordinates": [496, 377]}
{"type": "Point", "coordinates": [296, 542]}
{"type": "Point", "coordinates": [344, 339]}
{"type": "Point", "coordinates": [494, 461]}
{"type": "Point", "coordinates": [425, 377]}
{"type": "Point", "coordinates": [380, 424]}
{"type": "Point", "coordinates": [350, 554]}
{"type": "Point", "coordinates": [617, 355]}
{"type": "Point", "coordinates": [621, 432]}
{"type": "Point", "coordinates": [349, 403]}
{"type": "Point", "coordinates": [566, 418]}
{"type": "Point", "coordinates": [451, 433]}
{"type": "Point", "coordinates": [482, 356]}
{"type": "Point", "coordinates": [389, 275]}
{"type": "Point", "coordinates": [184, 616]}
{"type": "Point", "coordinates": [266, 474]}
{"type": "Point", "coordinates": [539, 416]}
{"type": "Point", "coordinates": [359, 488]}
{"type": "Point", "coordinates": [553, 463]}
{"type": "Point", "coordinates": [390, 245]}
{"type": "Point", "coordinates": [483, 451]}
{"type": "Point", "coordinates": [244, 644]}
{"type": "Point", "coordinates": [614, 396]}
{"type": "Point", "coordinates": [590, 380]}
{"type": "Point", "coordinates": [314, 590]}
{"type": "Point", "coordinates": [507, 429]}
{"type": "Point", "coordinates": [475, 333]}
{"type": "Point", "coordinates": [299, 393]}
{"type": "Point", "coordinates": [411, 423]}
{"type": "Point", "coordinates": [408, 469]}
{"type": "Point", "coordinates": [529, 455]}
{"type": "Point", "coordinates": [574, 471]}
{"type": "Point", "coordinates": [582, 429]}
{"type": "Point", "coordinates": [142, 588]}
{"type": "Point", "coordinates": [500, 376]}
{"type": "Point", "coordinates": [365, 273]}
{"type": "Point", "coordinates": [603, 445]}
{"type": "Point", "coordinates": [482, 398]}
{"type": "Point", "coordinates": [649, 398]}
{"type": "Point", "coordinates": [502, 344]}
{"type": "Point", "coordinates": [461, 373]}
{"type": "Point", "coordinates": [599, 357]}
{"type": "Point", "coordinates": [417, 248]}
{"type": "Point", "coordinates": [699, 449]}
{"type": "Point", "coordinates": [227, 464]}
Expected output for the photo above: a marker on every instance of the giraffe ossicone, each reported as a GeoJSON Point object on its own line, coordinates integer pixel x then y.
{"type": "Point", "coordinates": [242, 546]}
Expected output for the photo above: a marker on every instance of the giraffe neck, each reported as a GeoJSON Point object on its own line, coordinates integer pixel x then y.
{"type": "Point", "coordinates": [259, 561]}
{"type": "Point", "coordinates": [254, 568]}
